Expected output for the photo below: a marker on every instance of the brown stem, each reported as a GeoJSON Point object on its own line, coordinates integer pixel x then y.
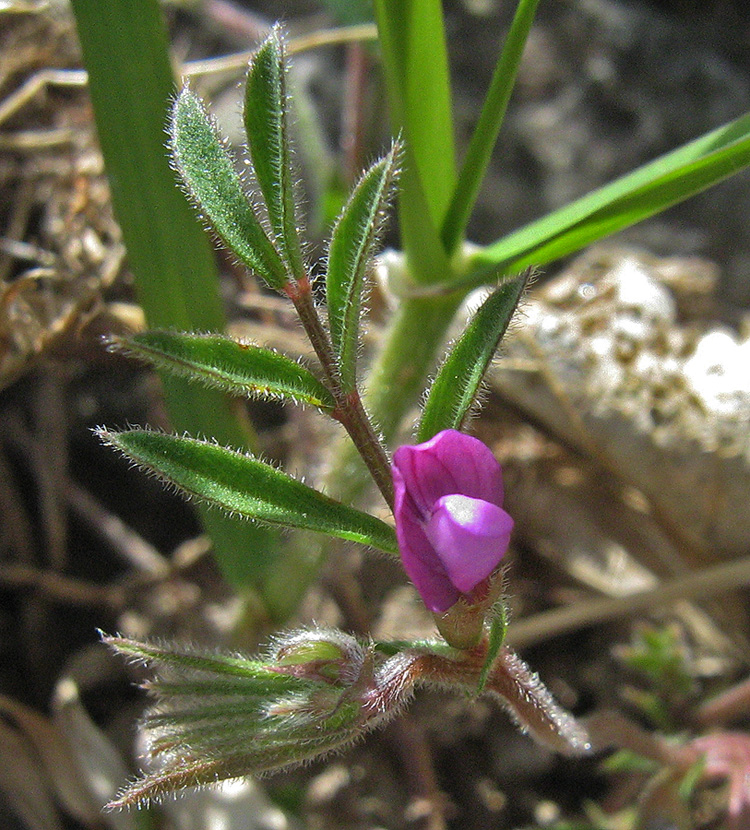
{"type": "Point", "coordinates": [520, 690]}
{"type": "Point", "coordinates": [349, 410]}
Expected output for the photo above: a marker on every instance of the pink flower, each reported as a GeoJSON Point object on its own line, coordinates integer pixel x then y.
{"type": "Point", "coordinates": [451, 528]}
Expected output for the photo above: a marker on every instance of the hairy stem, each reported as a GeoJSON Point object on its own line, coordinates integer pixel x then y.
{"type": "Point", "coordinates": [349, 410]}
{"type": "Point", "coordinates": [396, 379]}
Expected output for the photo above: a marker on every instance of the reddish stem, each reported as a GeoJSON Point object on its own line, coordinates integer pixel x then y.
{"type": "Point", "coordinates": [349, 410]}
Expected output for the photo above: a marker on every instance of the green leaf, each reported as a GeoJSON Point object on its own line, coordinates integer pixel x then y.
{"type": "Point", "coordinates": [172, 259]}
{"type": "Point", "coordinates": [350, 258]}
{"type": "Point", "coordinates": [415, 59]}
{"type": "Point", "coordinates": [266, 125]}
{"type": "Point", "coordinates": [208, 171]}
{"type": "Point", "coordinates": [495, 640]}
{"type": "Point", "coordinates": [455, 388]}
{"type": "Point", "coordinates": [199, 666]}
{"type": "Point", "coordinates": [655, 186]}
{"type": "Point", "coordinates": [242, 484]}
{"type": "Point", "coordinates": [237, 368]}
{"type": "Point", "coordinates": [488, 126]}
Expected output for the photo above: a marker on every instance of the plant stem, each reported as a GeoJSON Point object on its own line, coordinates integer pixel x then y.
{"type": "Point", "coordinates": [396, 378]}
{"type": "Point", "coordinates": [528, 699]}
{"type": "Point", "coordinates": [520, 690]}
{"type": "Point", "coordinates": [349, 410]}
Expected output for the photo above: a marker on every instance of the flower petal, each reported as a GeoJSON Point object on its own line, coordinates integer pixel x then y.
{"type": "Point", "coordinates": [420, 560]}
{"type": "Point", "coordinates": [451, 462]}
{"type": "Point", "coordinates": [470, 537]}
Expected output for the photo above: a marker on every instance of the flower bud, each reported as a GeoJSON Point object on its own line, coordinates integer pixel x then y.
{"type": "Point", "coordinates": [326, 655]}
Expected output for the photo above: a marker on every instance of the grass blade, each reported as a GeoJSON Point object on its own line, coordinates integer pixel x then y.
{"type": "Point", "coordinates": [131, 85]}
{"type": "Point", "coordinates": [487, 128]}
{"type": "Point", "coordinates": [651, 188]}
{"type": "Point", "coordinates": [412, 40]}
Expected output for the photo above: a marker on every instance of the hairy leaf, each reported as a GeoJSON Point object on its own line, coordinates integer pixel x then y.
{"type": "Point", "coordinates": [349, 258]}
{"type": "Point", "coordinates": [266, 126]}
{"type": "Point", "coordinates": [238, 368]}
{"type": "Point", "coordinates": [243, 484]}
{"type": "Point", "coordinates": [208, 171]}
{"type": "Point", "coordinates": [455, 388]}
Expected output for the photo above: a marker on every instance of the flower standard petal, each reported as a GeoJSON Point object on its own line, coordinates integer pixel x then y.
{"type": "Point", "coordinates": [418, 556]}
{"type": "Point", "coordinates": [470, 537]}
{"type": "Point", "coordinates": [450, 462]}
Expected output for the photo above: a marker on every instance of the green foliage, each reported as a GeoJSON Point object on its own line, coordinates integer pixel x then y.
{"type": "Point", "coordinates": [415, 61]}
{"type": "Point", "coordinates": [169, 254]}
{"type": "Point", "coordinates": [659, 653]}
{"type": "Point", "coordinates": [247, 486]}
{"type": "Point", "coordinates": [498, 626]}
{"type": "Point", "coordinates": [488, 126]}
{"type": "Point", "coordinates": [456, 385]}
{"type": "Point", "coordinates": [652, 188]}
{"type": "Point", "coordinates": [237, 368]}
{"type": "Point", "coordinates": [350, 257]}
{"type": "Point", "coordinates": [266, 118]}
{"type": "Point", "coordinates": [208, 171]}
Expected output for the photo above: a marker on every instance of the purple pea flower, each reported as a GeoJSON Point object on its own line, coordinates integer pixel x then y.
{"type": "Point", "coordinates": [452, 531]}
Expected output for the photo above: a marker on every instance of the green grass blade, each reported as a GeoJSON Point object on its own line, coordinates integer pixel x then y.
{"type": "Point", "coordinates": [131, 85]}
{"type": "Point", "coordinates": [220, 362]}
{"type": "Point", "coordinates": [266, 116]}
{"type": "Point", "coordinates": [412, 40]}
{"type": "Point", "coordinates": [636, 196]}
{"type": "Point", "coordinates": [350, 258]}
{"type": "Point", "coordinates": [487, 128]}
{"type": "Point", "coordinates": [244, 485]}
{"type": "Point", "coordinates": [208, 171]}
{"type": "Point", "coordinates": [457, 383]}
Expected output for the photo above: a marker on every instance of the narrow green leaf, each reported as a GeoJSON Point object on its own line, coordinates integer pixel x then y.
{"type": "Point", "coordinates": [192, 663]}
{"type": "Point", "coordinates": [237, 368]}
{"type": "Point", "coordinates": [132, 87]}
{"type": "Point", "coordinates": [349, 260]}
{"type": "Point", "coordinates": [266, 125]}
{"type": "Point", "coordinates": [655, 186]}
{"type": "Point", "coordinates": [488, 126]}
{"type": "Point", "coordinates": [242, 484]}
{"type": "Point", "coordinates": [208, 171]}
{"type": "Point", "coordinates": [455, 388]}
{"type": "Point", "coordinates": [495, 640]}
{"type": "Point", "coordinates": [415, 59]}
